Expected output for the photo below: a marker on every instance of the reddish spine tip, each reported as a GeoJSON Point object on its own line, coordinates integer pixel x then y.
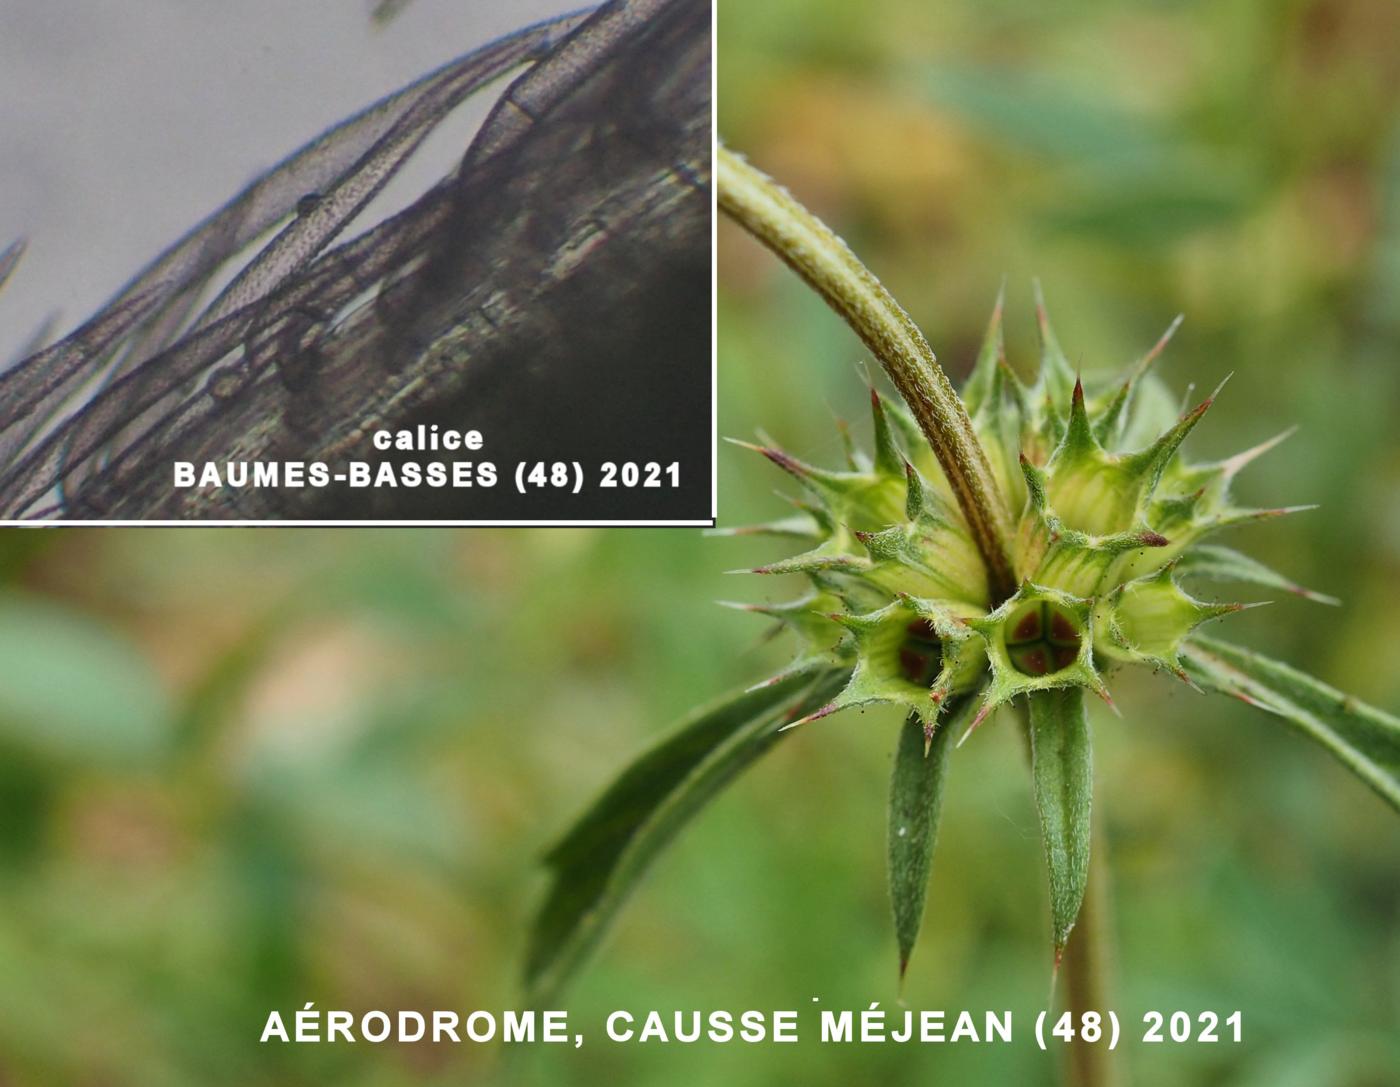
{"type": "Point", "coordinates": [1078, 392]}
{"type": "Point", "coordinates": [783, 461]}
{"type": "Point", "coordinates": [825, 711]}
{"type": "Point", "coordinates": [981, 716]}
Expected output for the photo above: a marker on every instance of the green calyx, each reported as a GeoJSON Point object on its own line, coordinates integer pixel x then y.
{"type": "Point", "coordinates": [1108, 517]}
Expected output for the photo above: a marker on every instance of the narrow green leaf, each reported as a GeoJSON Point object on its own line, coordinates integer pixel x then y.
{"type": "Point", "coordinates": [1217, 563]}
{"type": "Point", "coordinates": [1366, 739]}
{"type": "Point", "coordinates": [916, 795]}
{"type": "Point", "coordinates": [1062, 766]}
{"type": "Point", "coordinates": [601, 860]}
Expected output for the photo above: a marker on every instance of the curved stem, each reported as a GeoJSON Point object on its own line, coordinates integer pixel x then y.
{"type": "Point", "coordinates": [769, 212]}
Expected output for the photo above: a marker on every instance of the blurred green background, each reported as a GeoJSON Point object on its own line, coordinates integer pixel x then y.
{"type": "Point", "coordinates": [244, 770]}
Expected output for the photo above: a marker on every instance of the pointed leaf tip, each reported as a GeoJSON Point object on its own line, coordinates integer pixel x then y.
{"type": "Point", "coordinates": [915, 800]}
{"type": "Point", "coordinates": [601, 859]}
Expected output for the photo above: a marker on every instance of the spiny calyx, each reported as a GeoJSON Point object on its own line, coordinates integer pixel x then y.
{"type": "Point", "coordinates": [1109, 517]}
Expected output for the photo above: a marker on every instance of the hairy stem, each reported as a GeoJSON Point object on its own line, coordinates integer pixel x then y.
{"type": "Point", "coordinates": [768, 211]}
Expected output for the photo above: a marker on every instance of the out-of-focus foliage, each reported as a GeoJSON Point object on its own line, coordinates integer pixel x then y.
{"type": "Point", "coordinates": [244, 770]}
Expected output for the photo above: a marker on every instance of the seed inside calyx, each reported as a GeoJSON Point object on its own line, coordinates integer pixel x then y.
{"type": "Point", "coordinates": [1042, 638]}
{"type": "Point", "coordinates": [921, 655]}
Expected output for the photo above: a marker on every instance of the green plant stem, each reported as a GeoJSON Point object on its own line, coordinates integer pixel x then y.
{"type": "Point", "coordinates": [1087, 970]}
{"type": "Point", "coordinates": [770, 213]}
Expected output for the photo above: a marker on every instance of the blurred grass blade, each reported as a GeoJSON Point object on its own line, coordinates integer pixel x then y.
{"type": "Point", "coordinates": [1216, 563]}
{"type": "Point", "coordinates": [1366, 739]}
{"type": "Point", "coordinates": [916, 796]}
{"type": "Point", "coordinates": [601, 860]}
{"type": "Point", "coordinates": [1062, 766]}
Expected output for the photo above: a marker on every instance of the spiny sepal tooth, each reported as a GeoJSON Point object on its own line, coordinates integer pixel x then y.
{"type": "Point", "coordinates": [999, 426]}
{"type": "Point", "coordinates": [1112, 416]}
{"type": "Point", "coordinates": [1039, 639]}
{"type": "Point", "coordinates": [1078, 442]}
{"type": "Point", "coordinates": [800, 667]}
{"type": "Point", "coordinates": [1152, 462]}
{"type": "Point", "coordinates": [1101, 493]}
{"type": "Point", "coordinates": [809, 618]}
{"type": "Point", "coordinates": [856, 460]}
{"type": "Point", "coordinates": [1056, 377]}
{"type": "Point", "coordinates": [1208, 484]}
{"type": "Point", "coordinates": [1194, 500]}
{"type": "Point", "coordinates": [801, 526]}
{"type": "Point", "coordinates": [1088, 565]}
{"type": "Point", "coordinates": [917, 499]}
{"type": "Point", "coordinates": [1053, 554]}
{"type": "Point", "coordinates": [865, 500]}
{"type": "Point", "coordinates": [1231, 466]}
{"type": "Point", "coordinates": [1146, 621]}
{"type": "Point", "coordinates": [913, 653]}
{"type": "Point", "coordinates": [982, 392]}
{"type": "Point", "coordinates": [1191, 520]}
{"type": "Point", "coordinates": [928, 555]}
{"type": "Point", "coordinates": [918, 452]}
{"type": "Point", "coordinates": [1215, 563]}
{"type": "Point", "coordinates": [889, 460]}
{"type": "Point", "coordinates": [826, 558]}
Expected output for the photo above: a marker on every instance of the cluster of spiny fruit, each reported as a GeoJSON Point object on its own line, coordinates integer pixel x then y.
{"type": "Point", "coordinates": [1108, 517]}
